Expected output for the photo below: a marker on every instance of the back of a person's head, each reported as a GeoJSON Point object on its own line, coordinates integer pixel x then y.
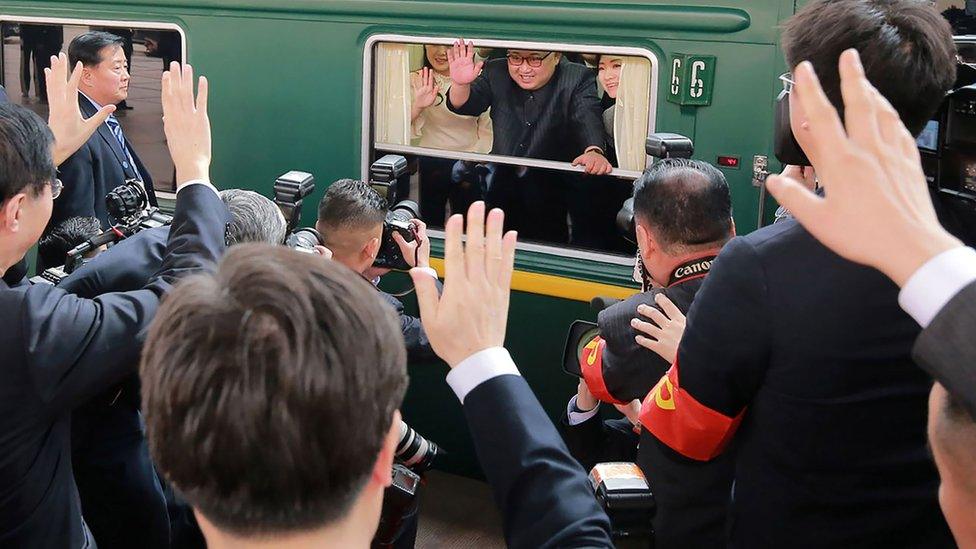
{"type": "Point", "coordinates": [254, 218]}
{"type": "Point", "coordinates": [54, 246]}
{"type": "Point", "coordinates": [25, 152]}
{"type": "Point", "coordinates": [87, 47]}
{"type": "Point", "coordinates": [685, 203]}
{"type": "Point", "coordinates": [906, 48]}
{"type": "Point", "coordinates": [269, 387]}
{"type": "Point", "coordinates": [952, 436]}
{"type": "Point", "coordinates": [351, 204]}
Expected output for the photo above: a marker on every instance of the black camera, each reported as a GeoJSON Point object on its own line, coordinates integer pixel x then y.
{"type": "Point", "coordinates": [128, 204]}
{"type": "Point", "coordinates": [658, 145]}
{"type": "Point", "coordinates": [622, 491]}
{"type": "Point", "coordinates": [387, 176]}
{"type": "Point", "coordinates": [400, 501]}
{"type": "Point", "coordinates": [947, 146]}
{"type": "Point", "coordinates": [290, 191]}
{"type": "Point", "coordinates": [415, 451]}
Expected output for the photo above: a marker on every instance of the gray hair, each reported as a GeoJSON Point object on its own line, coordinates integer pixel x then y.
{"type": "Point", "coordinates": [255, 218]}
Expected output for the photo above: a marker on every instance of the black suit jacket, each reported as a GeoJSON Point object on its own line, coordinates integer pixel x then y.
{"type": "Point", "coordinates": [414, 336]}
{"type": "Point", "coordinates": [544, 495]}
{"type": "Point", "coordinates": [555, 122]}
{"type": "Point", "coordinates": [812, 354]}
{"type": "Point", "coordinates": [597, 440]}
{"type": "Point", "coordinates": [92, 171]}
{"type": "Point", "coordinates": [60, 350]}
{"type": "Point", "coordinates": [946, 348]}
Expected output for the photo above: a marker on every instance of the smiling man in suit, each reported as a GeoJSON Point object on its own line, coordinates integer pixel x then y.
{"type": "Point", "coordinates": [107, 160]}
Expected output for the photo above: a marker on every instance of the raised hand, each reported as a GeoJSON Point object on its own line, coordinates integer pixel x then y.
{"type": "Point", "coordinates": [71, 130]}
{"type": "Point", "coordinates": [876, 209]}
{"type": "Point", "coordinates": [471, 313]}
{"type": "Point", "coordinates": [424, 89]}
{"type": "Point", "coordinates": [186, 124]}
{"type": "Point", "coordinates": [664, 330]}
{"type": "Point", "coordinates": [460, 57]}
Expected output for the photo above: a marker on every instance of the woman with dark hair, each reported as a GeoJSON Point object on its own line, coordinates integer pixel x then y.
{"type": "Point", "coordinates": [434, 126]}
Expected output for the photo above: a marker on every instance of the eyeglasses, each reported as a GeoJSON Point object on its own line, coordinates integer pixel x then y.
{"type": "Point", "coordinates": [56, 187]}
{"type": "Point", "coordinates": [787, 79]}
{"type": "Point", "coordinates": [516, 60]}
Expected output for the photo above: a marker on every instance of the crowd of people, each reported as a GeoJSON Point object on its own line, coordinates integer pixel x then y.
{"type": "Point", "coordinates": [773, 387]}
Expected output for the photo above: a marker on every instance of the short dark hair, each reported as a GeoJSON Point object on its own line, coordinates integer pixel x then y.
{"type": "Point", "coordinates": [686, 203]}
{"type": "Point", "coordinates": [88, 47]}
{"type": "Point", "coordinates": [25, 152]}
{"type": "Point", "coordinates": [905, 45]}
{"type": "Point", "coordinates": [54, 246]}
{"type": "Point", "coordinates": [349, 203]}
{"type": "Point", "coordinates": [269, 388]}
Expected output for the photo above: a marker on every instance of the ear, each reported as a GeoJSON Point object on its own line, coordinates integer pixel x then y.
{"type": "Point", "coordinates": [645, 240]}
{"type": "Point", "coordinates": [733, 226]}
{"type": "Point", "coordinates": [383, 468]}
{"type": "Point", "coordinates": [11, 212]}
{"type": "Point", "coordinates": [372, 248]}
{"type": "Point", "coordinates": [87, 77]}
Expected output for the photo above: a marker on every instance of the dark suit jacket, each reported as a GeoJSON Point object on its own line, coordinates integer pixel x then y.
{"type": "Point", "coordinates": [92, 171]}
{"type": "Point", "coordinates": [544, 495]}
{"type": "Point", "coordinates": [946, 349]}
{"type": "Point", "coordinates": [813, 354]}
{"type": "Point", "coordinates": [597, 440]}
{"type": "Point", "coordinates": [555, 122]}
{"type": "Point", "coordinates": [60, 350]}
{"type": "Point", "coordinates": [414, 337]}
{"type": "Point", "coordinates": [3, 95]}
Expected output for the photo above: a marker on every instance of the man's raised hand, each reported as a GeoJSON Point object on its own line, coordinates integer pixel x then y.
{"type": "Point", "coordinates": [71, 130]}
{"type": "Point", "coordinates": [463, 68]}
{"type": "Point", "coordinates": [186, 124]}
{"type": "Point", "coordinates": [876, 209]}
{"type": "Point", "coordinates": [471, 313]}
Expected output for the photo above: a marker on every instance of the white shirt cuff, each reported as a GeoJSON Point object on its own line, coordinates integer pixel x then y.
{"type": "Point", "coordinates": [428, 270]}
{"type": "Point", "coordinates": [203, 182]}
{"type": "Point", "coordinates": [574, 417]}
{"type": "Point", "coordinates": [932, 286]}
{"type": "Point", "coordinates": [479, 368]}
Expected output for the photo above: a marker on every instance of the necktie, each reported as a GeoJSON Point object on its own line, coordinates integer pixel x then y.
{"type": "Point", "coordinates": [128, 163]}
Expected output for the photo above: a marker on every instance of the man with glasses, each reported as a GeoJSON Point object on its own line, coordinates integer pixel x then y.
{"type": "Point", "coordinates": [108, 159]}
{"type": "Point", "coordinates": [544, 107]}
{"type": "Point", "coordinates": [60, 350]}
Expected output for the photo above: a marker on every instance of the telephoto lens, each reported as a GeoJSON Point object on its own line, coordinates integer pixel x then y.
{"type": "Point", "coordinates": [304, 240]}
{"type": "Point", "coordinates": [126, 200]}
{"type": "Point", "coordinates": [415, 451]}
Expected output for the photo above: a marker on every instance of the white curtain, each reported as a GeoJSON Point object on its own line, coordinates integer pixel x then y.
{"type": "Point", "coordinates": [392, 97]}
{"type": "Point", "coordinates": [630, 114]}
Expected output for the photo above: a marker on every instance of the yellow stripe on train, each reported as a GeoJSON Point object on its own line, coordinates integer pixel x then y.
{"type": "Point", "coordinates": [556, 286]}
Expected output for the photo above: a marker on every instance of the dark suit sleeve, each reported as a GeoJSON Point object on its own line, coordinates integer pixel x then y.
{"type": "Point", "coordinates": [587, 117]}
{"type": "Point", "coordinates": [480, 98]}
{"type": "Point", "coordinates": [74, 348]}
{"type": "Point", "coordinates": [78, 195]}
{"type": "Point", "coordinates": [586, 441]}
{"type": "Point", "coordinates": [3, 95]}
{"type": "Point", "coordinates": [544, 495]}
{"type": "Point", "coordinates": [129, 265]}
{"type": "Point", "coordinates": [946, 350]}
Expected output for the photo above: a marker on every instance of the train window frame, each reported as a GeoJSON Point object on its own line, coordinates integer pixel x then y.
{"type": "Point", "coordinates": [370, 145]}
{"type": "Point", "coordinates": [76, 21]}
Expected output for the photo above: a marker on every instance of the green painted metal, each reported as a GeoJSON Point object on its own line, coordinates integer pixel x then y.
{"type": "Point", "coordinates": [286, 93]}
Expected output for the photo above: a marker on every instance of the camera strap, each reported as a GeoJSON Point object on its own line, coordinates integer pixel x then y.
{"type": "Point", "coordinates": [690, 270]}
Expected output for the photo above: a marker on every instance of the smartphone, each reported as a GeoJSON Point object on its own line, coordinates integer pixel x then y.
{"type": "Point", "coordinates": [580, 334]}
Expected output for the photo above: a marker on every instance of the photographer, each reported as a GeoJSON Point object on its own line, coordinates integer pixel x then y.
{"type": "Point", "coordinates": [350, 220]}
{"type": "Point", "coordinates": [61, 350]}
{"type": "Point", "coordinates": [122, 501]}
{"type": "Point", "coordinates": [677, 247]}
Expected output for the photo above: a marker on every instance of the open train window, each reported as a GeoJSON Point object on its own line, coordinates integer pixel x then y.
{"type": "Point", "coordinates": [517, 136]}
{"type": "Point", "coordinates": [28, 44]}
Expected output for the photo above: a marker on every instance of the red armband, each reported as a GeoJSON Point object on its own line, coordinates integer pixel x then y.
{"type": "Point", "coordinates": [591, 365]}
{"type": "Point", "coordinates": [687, 426]}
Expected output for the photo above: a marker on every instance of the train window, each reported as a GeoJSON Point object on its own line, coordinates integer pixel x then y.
{"type": "Point", "coordinates": [520, 133]}
{"type": "Point", "coordinates": [28, 46]}
{"type": "Point", "coordinates": [961, 15]}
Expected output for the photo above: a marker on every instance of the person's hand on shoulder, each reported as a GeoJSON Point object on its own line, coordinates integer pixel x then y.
{"type": "Point", "coordinates": [186, 124]}
{"type": "Point", "coordinates": [876, 210]}
{"type": "Point", "coordinates": [71, 130]}
{"type": "Point", "coordinates": [464, 69]}
{"type": "Point", "coordinates": [471, 313]}
{"type": "Point", "coordinates": [593, 162]}
{"type": "Point", "coordinates": [416, 253]}
{"type": "Point", "coordinates": [664, 330]}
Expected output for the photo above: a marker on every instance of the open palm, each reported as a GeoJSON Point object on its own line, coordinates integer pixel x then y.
{"type": "Point", "coordinates": [464, 69]}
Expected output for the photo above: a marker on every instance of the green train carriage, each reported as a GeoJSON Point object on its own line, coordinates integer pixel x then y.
{"type": "Point", "coordinates": [293, 86]}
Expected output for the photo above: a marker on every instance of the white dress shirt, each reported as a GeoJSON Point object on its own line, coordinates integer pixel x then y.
{"type": "Point", "coordinates": [479, 368]}
{"type": "Point", "coordinates": [933, 285]}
